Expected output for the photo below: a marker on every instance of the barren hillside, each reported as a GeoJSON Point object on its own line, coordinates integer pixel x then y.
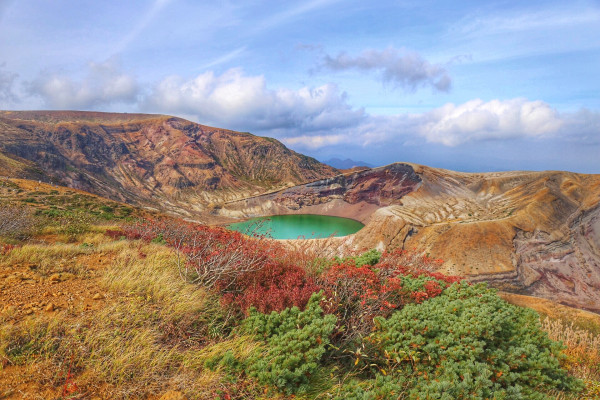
{"type": "Point", "coordinates": [150, 160]}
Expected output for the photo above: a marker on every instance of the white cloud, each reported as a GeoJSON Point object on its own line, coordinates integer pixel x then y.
{"type": "Point", "coordinates": [476, 120]}
{"type": "Point", "coordinates": [104, 84]}
{"type": "Point", "coordinates": [468, 123]}
{"type": "Point", "coordinates": [243, 102]}
{"type": "Point", "coordinates": [315, 142]}
{"type": "Point", "coordinates": [313, 118]}
{"type": "Point", "coordinates": [404, 68]}
{"type": "Point", "coordinates": [310, 117]}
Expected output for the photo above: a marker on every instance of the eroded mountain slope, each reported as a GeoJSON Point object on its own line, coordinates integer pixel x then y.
{"type": "Point", "coordinates": [528, 232]}
{"type": "Point", "coordinates": [150, 160]}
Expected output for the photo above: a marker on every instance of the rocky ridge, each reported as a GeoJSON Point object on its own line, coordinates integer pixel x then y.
{"type": "Point", "coordinates": [536, 233]}
{"type": "Point", "coordinates": [151, 160]}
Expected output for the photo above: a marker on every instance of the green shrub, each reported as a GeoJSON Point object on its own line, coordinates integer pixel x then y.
{"type": "Point", "coordinates": [159, 239]}
{"type": "Point", "coordinates": [381, 387]}
{"type": "Point", "coordinates": [469, 344]}
{"type": "Point", "coordinates": [370, 257]}
{"type": "Point", "coordinates": [107, 209]}
{"type": "Point", "coordinates": [295, 342]}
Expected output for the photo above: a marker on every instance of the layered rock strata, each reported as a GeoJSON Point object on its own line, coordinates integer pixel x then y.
{"type": "Point", "coordinates": [535, 233]}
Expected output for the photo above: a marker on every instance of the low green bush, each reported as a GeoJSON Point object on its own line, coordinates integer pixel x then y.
{"type": "Point", "coordinates": [370, 257]}
{"type": "Point", "coordinates": [295, 343]}
{"type": "Point", "coordinates": [468, 344]}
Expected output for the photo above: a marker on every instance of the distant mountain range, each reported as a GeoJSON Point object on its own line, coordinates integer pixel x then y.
{"type": "Point", "coordinates": [347, 163]}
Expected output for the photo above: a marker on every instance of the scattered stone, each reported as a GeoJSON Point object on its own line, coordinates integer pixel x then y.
{"type": "Point", "coordinates": [173, 395]}
{"type": "Point", "coordinates": [49, 307]}
{"type": "Point", "coordinates": [60, 277]}
{"type": "Point", "coordinates": [98, 296]}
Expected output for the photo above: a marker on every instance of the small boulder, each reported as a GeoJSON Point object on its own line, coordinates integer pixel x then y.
{"type": "Point", "coordinates": [60, 277]}
{"type": "Point", "coordinates": [50, 307]}
{"type": "Point", "coordinates": [98, 296]}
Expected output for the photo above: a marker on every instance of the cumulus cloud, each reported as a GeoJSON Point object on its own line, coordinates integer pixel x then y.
{"type": "Point", "coordinates": [476, 120]}
{"type": "Point", "coordinates": [316, 141]}
{"type": "Point", "coordinates": [404, 68]}
{"type": "Point", "coordinates": [104, 84]}
{"type": "Point", "coordinates": [453, 125]}
{"type": "Point", "coordinates": [7, 82]}
{"type": "Point", "coordinates": [236, 100]}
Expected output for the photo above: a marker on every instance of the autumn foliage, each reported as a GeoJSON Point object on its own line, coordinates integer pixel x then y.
{"type": "Point", "coordinates": [245, 271]}
{"type": "Point", "coordinates": [357, 292]}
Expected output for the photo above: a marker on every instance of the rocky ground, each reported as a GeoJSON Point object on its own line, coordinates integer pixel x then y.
{"type": "Point", "coordinates": [25, 290]}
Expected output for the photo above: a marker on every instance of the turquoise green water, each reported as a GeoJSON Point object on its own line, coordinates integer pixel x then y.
{"type": "Point", "coordinates": [306, 226]}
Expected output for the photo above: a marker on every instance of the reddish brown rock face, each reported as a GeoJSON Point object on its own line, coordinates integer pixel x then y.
{"type": "Point", "coordinates": [382, 186]}
{"type": "Point", "coordinates": [567, 269]}
{"type": "Point", "coordinates": [353, 195]}
{"type": "Point", "coordinates": [151, 160]}
{"type": "Point", "coordinates": [379, 186]}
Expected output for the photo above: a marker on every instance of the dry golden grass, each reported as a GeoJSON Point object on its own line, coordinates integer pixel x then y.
{"type": "Point", "coordinates": [48, 259]}
{"type": "Point", "coordinates": [554, 310]}
{"type": "Point", "coordinates": [61, 257]}
{"type": "Point", "coordinates": [583, 354]}
{"type": "Point", "coordinates": [583, 347]}
{"type": "Point", "coordinates": [151, 336]}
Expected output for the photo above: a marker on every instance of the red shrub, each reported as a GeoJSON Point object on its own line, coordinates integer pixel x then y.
{"type": "Point", "coordinates": [115, 233]}
{"type": "Point", "coordinates": [274, 287]}
{"type": "Point", "coordinates": [247, 271]}
{"type": "Point", "coordinates": [261, 273]}
{"type": "Point", "coordinates": [5, 249]}
{"type": "Point", "coordinates": [432, 288]}
{"type": "Point", "coordinates": [358, 294]}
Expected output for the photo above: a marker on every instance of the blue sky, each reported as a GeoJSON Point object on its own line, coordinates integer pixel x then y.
{"type": "Point", "coordinates": [471, 86]}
